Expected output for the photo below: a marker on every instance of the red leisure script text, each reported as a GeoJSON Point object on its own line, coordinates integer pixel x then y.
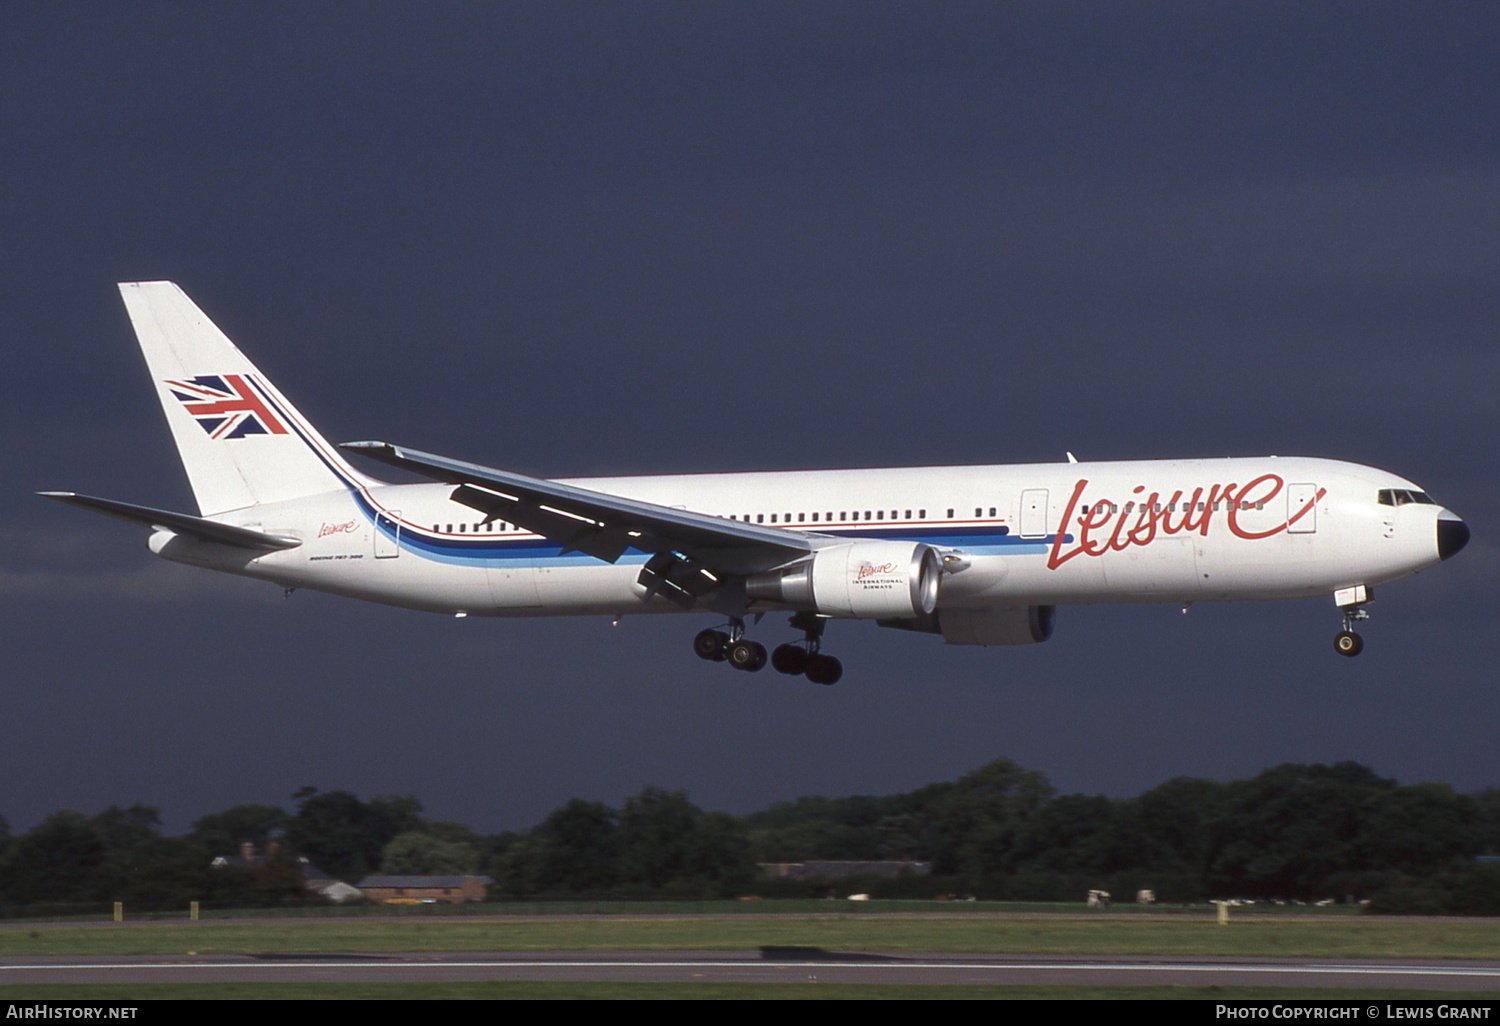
{"type": "Point", "coordinates": [1111, 527]}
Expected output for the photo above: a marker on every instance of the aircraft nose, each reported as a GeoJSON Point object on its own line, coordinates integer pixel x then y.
{"type": "Point", "coordinates": [1452, 535]}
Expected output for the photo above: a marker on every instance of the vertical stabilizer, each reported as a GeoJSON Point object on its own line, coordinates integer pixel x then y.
{"type": "Point", "coordinates": [240, 441]}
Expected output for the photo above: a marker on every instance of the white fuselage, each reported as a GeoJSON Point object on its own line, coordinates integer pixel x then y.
{"type": "Point", "coordinates": [1067, 533]}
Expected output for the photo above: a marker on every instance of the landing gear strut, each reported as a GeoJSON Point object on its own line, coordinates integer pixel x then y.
{"type": "Point", "coordinates": [1346, 642]}
{"type": "Point", "coordinates": [803, 657]}
{"type": "Point", "coordinates": [797, 658]}
{"type": "Point", "coordinates": [732, 647]}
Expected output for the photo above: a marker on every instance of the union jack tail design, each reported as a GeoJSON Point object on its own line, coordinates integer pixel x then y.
{"type": "Point", "coordinates": [226, 406]}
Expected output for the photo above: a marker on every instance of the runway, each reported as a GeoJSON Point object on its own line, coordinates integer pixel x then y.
{"type": "Point", "coordinates": [767, 966]}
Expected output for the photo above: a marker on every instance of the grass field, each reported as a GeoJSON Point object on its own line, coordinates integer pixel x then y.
{"type": "Point", "coordinates": [751, 907]}
{"type": "Point", "coordinates": [689, 992]}
{"type": "Point", "coordinates": [1315, 936]}
{"type": "Point", "coordinates": [920, 930]}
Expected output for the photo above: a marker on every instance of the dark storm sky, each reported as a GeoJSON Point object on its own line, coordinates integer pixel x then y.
{"type": "Point", "coordinates": [578, 238]}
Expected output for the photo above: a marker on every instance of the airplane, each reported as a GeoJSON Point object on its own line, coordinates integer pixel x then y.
{"type": "Point", "coordinates": [977, 555]}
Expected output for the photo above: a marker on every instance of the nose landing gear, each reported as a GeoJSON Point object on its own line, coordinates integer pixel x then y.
{"type": "Point", "coordinates": [1346, 642]}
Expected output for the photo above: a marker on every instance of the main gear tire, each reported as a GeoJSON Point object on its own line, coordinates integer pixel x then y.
{"type": "Point", "coordinates": [711, 644]}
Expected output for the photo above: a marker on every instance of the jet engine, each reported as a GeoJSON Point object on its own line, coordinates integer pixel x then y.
{"type": "Point", "coordinates": [862, 579]}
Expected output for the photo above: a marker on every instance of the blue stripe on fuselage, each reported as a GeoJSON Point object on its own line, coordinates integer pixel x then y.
{"type": "Point", "coordinates": [523, 552]}
{"type": "Point", "coordinates": [978, 540]}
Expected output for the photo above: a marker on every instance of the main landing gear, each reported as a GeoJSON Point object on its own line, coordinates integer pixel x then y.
{"type": "Point", "coordinates": [794, 658]}
{"type": "Point", "coordinates": [732, 647]}
{"type": "Point", "coordinates": [1346, 642]}
{"type": "Point", "coordinates": [802, 657]}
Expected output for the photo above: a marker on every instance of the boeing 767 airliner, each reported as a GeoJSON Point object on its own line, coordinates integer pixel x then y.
{"type": "Point", "coordinates": [978, 555]}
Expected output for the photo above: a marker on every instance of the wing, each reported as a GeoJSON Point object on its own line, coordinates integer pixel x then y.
{"type": "Point", "coordinates": [181, 523]}
{"type": "Point", "coordinates": [692, 553]}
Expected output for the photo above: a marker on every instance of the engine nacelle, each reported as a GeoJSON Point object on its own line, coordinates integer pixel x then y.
{"type": "Point", "coordinates": [863, 580]}
{"type": "Point", "coordinates": [994, 625]}
{"type": "Point", "coordinates": [997, 625]}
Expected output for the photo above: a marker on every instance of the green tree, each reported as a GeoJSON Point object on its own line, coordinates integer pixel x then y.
{"type": "Point", "coordinates": [345, 836]}
{"type": "Point", "coordinates": [1417, 829]}
{"type": "Point", "coordinates": [1487, 818]}
{"type": "Point", "coordinates": [163, 873]}
{"type": "Point", "coordinates": [670, 846]}
{"type": "Point", "coordinates": [576, 849]}
{"type": "Point", "coordinates": [222, 833]}
{"type": "Point", "coordinates": [973, 826]}
{"type": "Point", "coordinates": [123, 829]}
{"type": "Point", "coordinates": [59, 860]}
{"type": "Point", "coordinates": [1291, 828]}
{"type": "Point", "coordinates": [1072, 833]}
{"type": "Point", "coordinates": [819, 828]}
{"type": "Point", "coordinates": [417, 852]}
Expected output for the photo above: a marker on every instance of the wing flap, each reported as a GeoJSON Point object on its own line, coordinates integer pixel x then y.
{"type": "Point", "coordinates": [598, 523]}
{"type": "Point", "coordinates": [179, 523]}
{"type": "Point", "coordinates": [577, 534]}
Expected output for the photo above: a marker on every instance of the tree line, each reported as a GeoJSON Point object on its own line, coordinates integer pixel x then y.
{"type": "Point", "coordinates": [1292, 832]}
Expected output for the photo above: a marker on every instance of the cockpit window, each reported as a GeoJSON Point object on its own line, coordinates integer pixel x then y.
{"type": "Point", "coordinates": [1402, 496]}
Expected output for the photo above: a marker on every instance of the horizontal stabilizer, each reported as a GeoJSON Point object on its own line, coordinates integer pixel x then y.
{"type": "Point", "coordinates": [178, 523]}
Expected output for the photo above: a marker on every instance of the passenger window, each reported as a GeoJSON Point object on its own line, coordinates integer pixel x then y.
{"type": "Point", "coordinates": [950, 514]}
